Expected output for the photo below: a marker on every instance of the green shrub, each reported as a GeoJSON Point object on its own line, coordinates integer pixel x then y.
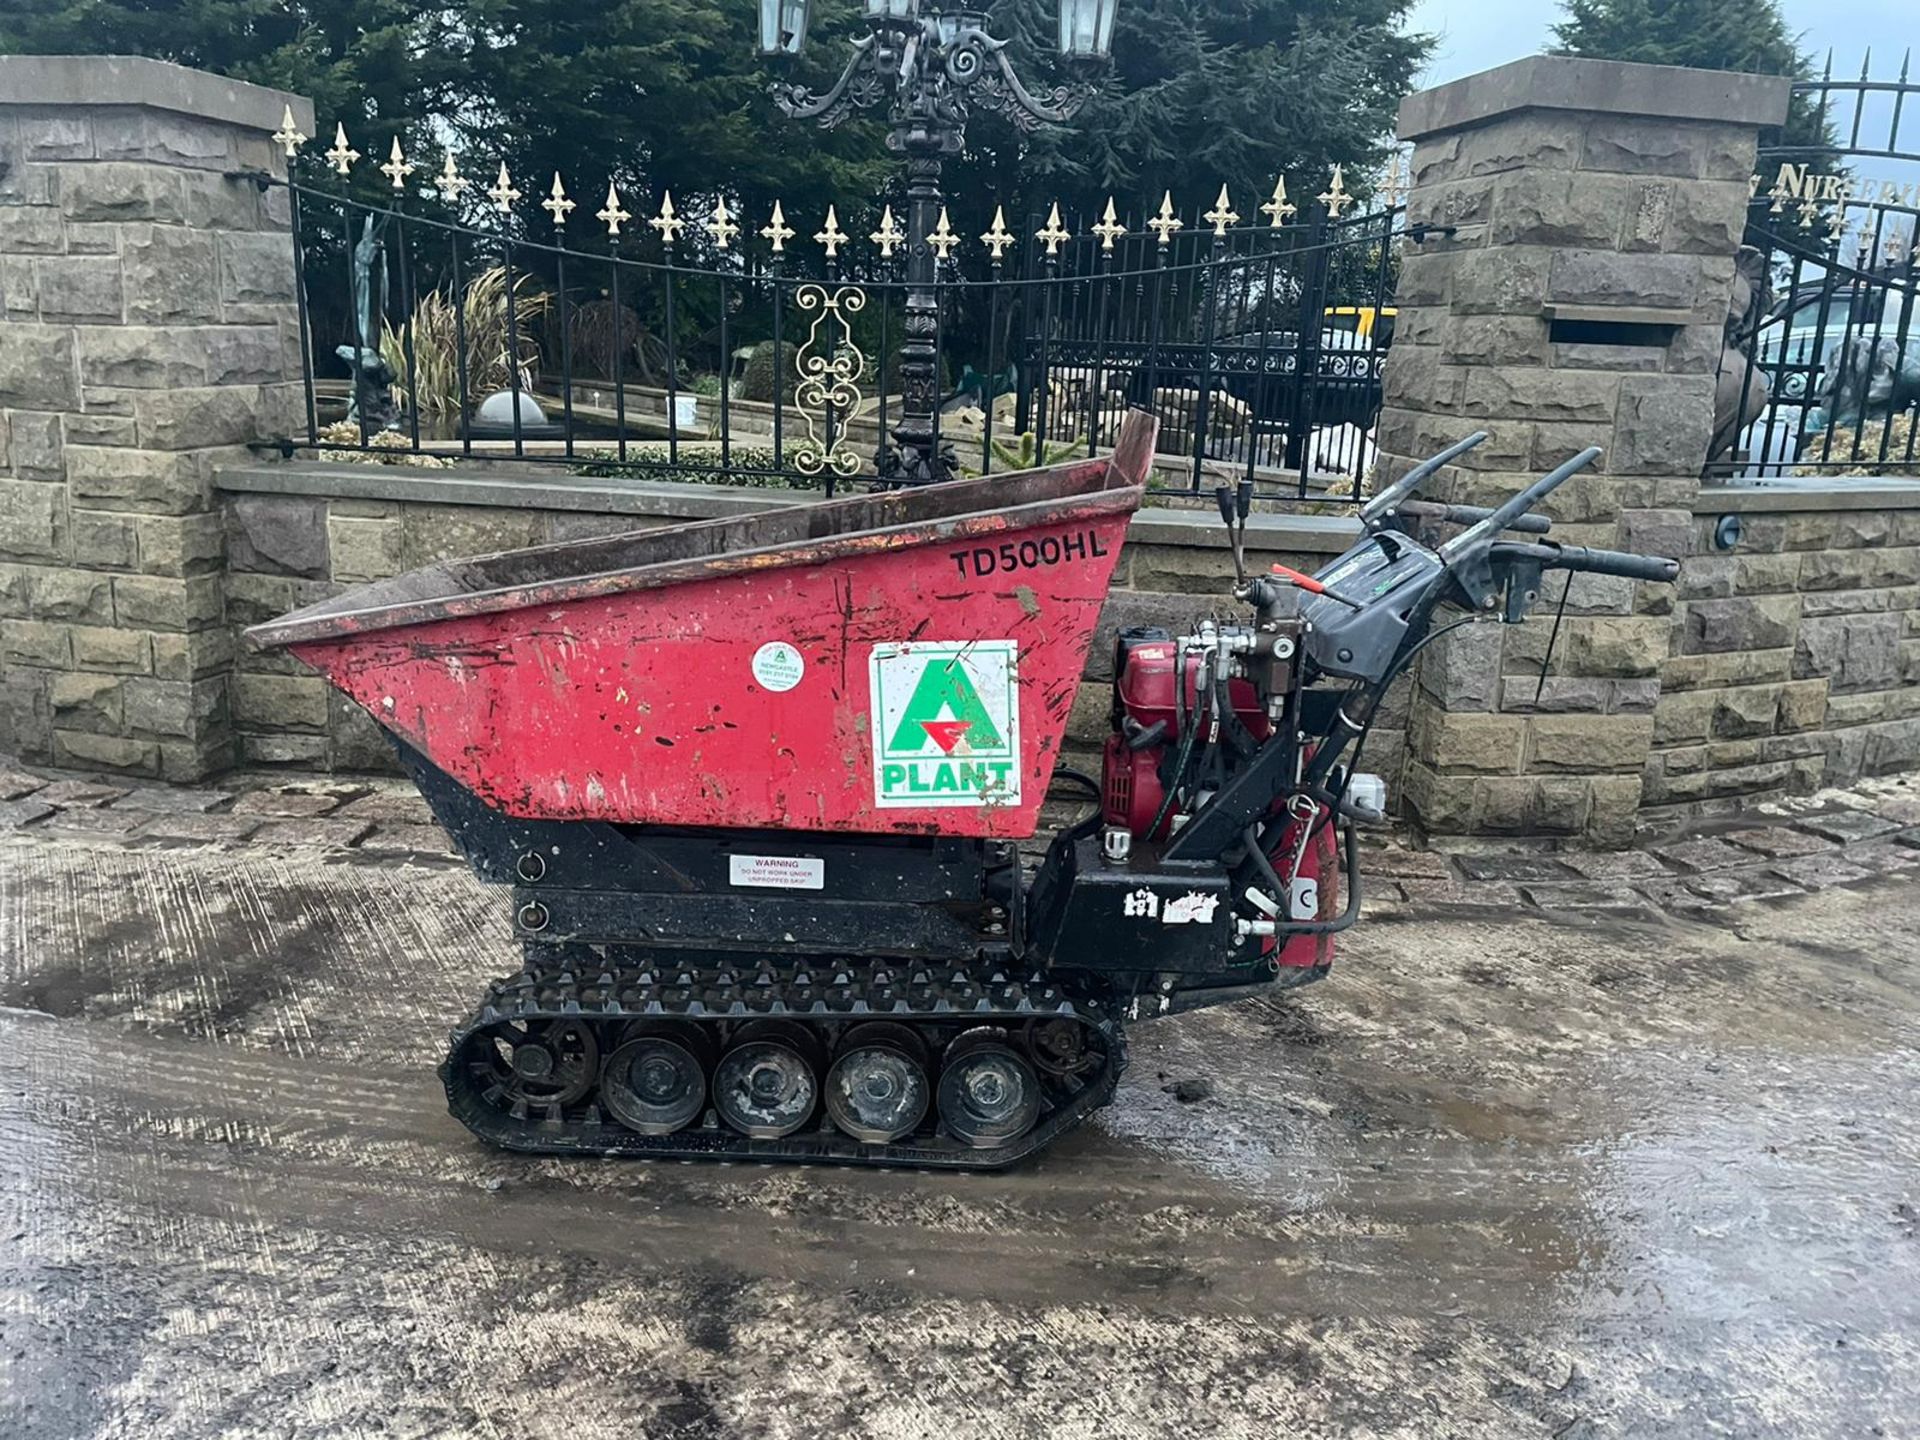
{"type": "Point", "coordinates": [652, 460]}
{"type": "Point", "coordinates": [1022, 452]}
{"type": "Point", "coordinates": [759, 380]}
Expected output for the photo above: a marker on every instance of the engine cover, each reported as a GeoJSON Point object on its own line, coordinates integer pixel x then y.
{"type": "Point", "coordinates": [1146, 723]}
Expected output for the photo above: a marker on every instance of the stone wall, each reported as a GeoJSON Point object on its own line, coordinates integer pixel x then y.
{"type": "Point", "coordinates": [1795, 657]}
{"type": "Point", "coordinates": [298, 533]}
{"type": "Point", "coordinates": [1594, 210]}
{"type": "Point", "coordinates": [146, 334]}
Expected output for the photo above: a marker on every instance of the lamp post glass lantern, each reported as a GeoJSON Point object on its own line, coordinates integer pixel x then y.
{"type": "Point", "coordinates": [783, 26]}
{"type": "Point", "coordinates": [932, 67]}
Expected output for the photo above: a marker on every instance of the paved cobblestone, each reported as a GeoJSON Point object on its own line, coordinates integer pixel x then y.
{"type": "Point", "coordinates": [1748, 885]}
{"type": "Point", "coordinates": [1518, 868]}
{"type": "Point", "coordinates": [15, 783]}
{"type": "Point", "coordinates": [1409, 864]}
{"type": "Point", "coordinates": [15, 813]}
{"type": "Point", "coordinates": [78, 792]}
{"type": "Point", "coordinates": [1698, 856]}
{"type": "Point", "coordinates": [1613, 866]}
{"type": "Point", "coordinates": [1884, 857]}
{"type": "Point", "coordinates": [1847, 826]}
{"type": "Point", "coordinates": [204, 829]}
{"type": "Point", "coordinates": [88, 824]}
{"type": "Point", "coordinates": [287, 804]}
{"type": "Point", "coordinates": [1816, 872]}
{"type": "Point", "coordinates": [1447, 891]}
{"type": "Point", "coordinates": [385, 806]}
{"type": "Point", "coordinates": [403, 839]}
{"type": "Point", "coordinates": [1585, 897]}
{"type": "Point", "coordinates": [177, 801]}
{"type": "Point", "coordinates": [1779, 842]}
{"type": "Point", "coordinates": [1689, 878]}
{"type": "Point", "coordinates": [310, 831]}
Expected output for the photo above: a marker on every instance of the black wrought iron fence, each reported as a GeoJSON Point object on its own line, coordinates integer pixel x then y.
{"type": "Point", "coordinates": [700, 346]}
{"type": "Point", "coordinates": [1822, 372]}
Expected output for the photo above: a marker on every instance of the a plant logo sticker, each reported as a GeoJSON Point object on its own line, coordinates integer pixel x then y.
{"type": "Point", "coordinates": [946, 724]}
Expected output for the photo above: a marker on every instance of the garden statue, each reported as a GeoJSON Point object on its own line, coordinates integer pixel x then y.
{"type": "Point", "coordinates": [1881, 376]}
{"type": "Point", "coordinates": [1743, 388]}
{"type": "Point", "coordinates": [980, 390]}
{"type": "Point", "coordinates": [372, 406]}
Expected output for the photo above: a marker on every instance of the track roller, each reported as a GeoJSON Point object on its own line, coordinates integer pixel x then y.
{"type": "Point", "coordinates": [877, 1089]}
{"type": "Point", "coordinates": [765, 1086]}
{"type": "Point", "coordinates": [989, 1094]}
{"type": "Point", "coordinates": [655, 1082]}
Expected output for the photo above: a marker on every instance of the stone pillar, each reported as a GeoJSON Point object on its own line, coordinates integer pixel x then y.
{"type": "Point", "coordinates": [1595, 209]}
{"type": "Point", "coordinates": [147, 332]}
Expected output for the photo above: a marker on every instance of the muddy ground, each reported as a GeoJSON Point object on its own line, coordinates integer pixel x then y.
{"type": "Point", "coordinates": [1592, 1177]}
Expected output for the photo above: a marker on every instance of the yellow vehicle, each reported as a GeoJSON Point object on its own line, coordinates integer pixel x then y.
{"type": "Point", "coordinates": [1362, 320]}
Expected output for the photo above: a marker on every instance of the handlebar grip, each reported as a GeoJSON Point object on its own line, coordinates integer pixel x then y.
{"type": "Point", "coordinates": [1656, 568]}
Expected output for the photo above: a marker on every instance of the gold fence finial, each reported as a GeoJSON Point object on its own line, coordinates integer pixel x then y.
{"type": "Point", "coordinates": [1393, 185]}
{"type": "Point", "coordinates": [342, 155]}
{"type": "Point", "coordinates": [889, 235]}
{"type": "Point", "coordinates": [777, 230]}
{"type": "Point", "coordinates": [1279, 209]}
{"type": "Point", "coordinates": [1053, 235]}
{"type": "Point", "coordinates": [398, 167]}
{"type": "Point", "coordinates": [503, 192]}
{"type": "Point", "coordinates": [720, 224]}
{"type": "Point", "coordinates": [1109, 228]}
{"type": "Point", "coordinates": [557, 204]}
{"type": "Point", "coordinates": [1166, 222]}
{"type": "Point", "coordinates": [611, 215]}
{"type": "Point", "coordinates": [943, 238]}
{"type": "Point", "coordinates": [450, 182]}
{"type": "Point", "coordinates": [1223, 216]}
{"type": "Point", "coordinates": [288, 136]}
{"type": "Point", "coordinates": [1335, 196]}
{"type": "Point", "coordinates": [666, 222]}
{"type": "Point", "coordinates": [831, 235]}
{"type": "Point", "coordinates": [997, 237]}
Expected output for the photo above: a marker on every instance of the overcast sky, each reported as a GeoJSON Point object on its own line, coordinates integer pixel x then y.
{"type": "Point", "coordinates": [1476, 34]}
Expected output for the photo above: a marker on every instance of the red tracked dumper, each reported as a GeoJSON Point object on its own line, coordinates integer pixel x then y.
{"type": "Point", "coordinates": [760, 786]}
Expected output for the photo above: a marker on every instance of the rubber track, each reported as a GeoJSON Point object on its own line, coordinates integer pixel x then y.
{"type": "Point", "coordinates": [900, 992]}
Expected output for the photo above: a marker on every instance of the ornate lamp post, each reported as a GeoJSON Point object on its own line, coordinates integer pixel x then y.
{"type": "Point", "coordinates": [932, 64]}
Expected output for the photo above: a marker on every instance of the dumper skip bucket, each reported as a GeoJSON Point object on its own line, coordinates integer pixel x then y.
{"type": "Point", "coordinates": [896, 663]}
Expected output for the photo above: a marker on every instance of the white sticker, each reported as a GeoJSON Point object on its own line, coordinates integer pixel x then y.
{"type": "Point", "coordinates": [1190, 909]}
{"type": "Point", "coordinates": [1303, 900]}
{"type": "Point", "coordinates": [946, 723]}
{"type": "Point", "coordinates": [777, 872]}
{"type": "Point", "coordinates": [1142, 904]}
{"type": "Point", "coordinates": [778, 666]}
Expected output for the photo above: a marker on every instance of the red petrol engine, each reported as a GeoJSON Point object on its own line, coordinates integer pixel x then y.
{"type": "Point", "coordinates": [1149, 710]}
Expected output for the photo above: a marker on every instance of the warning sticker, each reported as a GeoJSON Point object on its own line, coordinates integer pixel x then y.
{"type": "Point", "coordinates": [946, 723]}
{"type": "Point", "coordinates": [777, 872]}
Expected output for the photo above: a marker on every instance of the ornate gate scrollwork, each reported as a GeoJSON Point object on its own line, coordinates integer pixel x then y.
{"type": "Point", "coordinates": [830, 365]}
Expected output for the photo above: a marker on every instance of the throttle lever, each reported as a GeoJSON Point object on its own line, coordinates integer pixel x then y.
{"type": "Point", "coordinates": [1311, 586]}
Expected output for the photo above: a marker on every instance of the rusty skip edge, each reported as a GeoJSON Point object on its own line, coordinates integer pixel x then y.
{"type": "Point", "coordinates": [330, 619]}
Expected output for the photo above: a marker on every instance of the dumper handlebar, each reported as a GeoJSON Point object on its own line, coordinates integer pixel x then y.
{"type": "Point", "coordinates": [1383, 504]}
{"type": "Point", "coordinates": [1469, 515]}
{"type": "Point", "coordinates": [1551, 556]}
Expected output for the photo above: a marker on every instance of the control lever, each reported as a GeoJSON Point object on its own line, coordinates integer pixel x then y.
{"type": "Point", "coordinates": [1234, 505]}
{"type": "Point", "coordinates": [1312, 586]}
